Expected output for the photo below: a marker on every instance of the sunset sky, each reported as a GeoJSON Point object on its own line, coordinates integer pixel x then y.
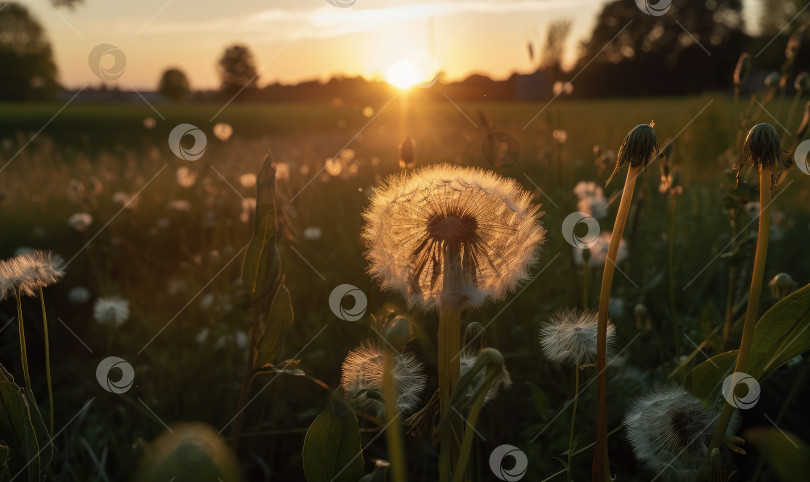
{"type": "Point", "coordinates": [295, 40]}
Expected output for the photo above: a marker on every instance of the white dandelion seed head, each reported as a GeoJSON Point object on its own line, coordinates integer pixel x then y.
{"type": "Point", "coordinates": [111, 310]}
{"type": "Point", "coordinates": [670, 431]}
{"type": "Point", "coordinates": [79, 295]}
{"type": "Point", "coordinates": [80, 221]}
{"type": "Point", "coordinates": [29, 272]}
{"type": "Point", "coordinates": [363, 370]}
{"type": "Point", "coordinates": [502, 381]}
{"type": "Point", "coordinates": [569, 337]}
{"type": "Point", "coordinates": [415, 220]}
{"type": "Point", "coordinates": [313, 233]}
{"type": "Point", "coordinates": [598, 251]}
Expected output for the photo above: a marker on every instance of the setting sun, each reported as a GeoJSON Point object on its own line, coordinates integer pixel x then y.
{"type": "Point", "coordinates": [403, 74]}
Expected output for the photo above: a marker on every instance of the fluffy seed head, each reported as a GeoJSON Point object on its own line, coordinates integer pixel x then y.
{"type": "Point", "coordinates": [418, 223]}
{"type": "Point", "coordinates": [29, 272]}
{"type": "Point", "coordinates": [363, 372]}
{"type": "Point", "coordinates": [670, 431]}
{"type": "Point", "coordinates": [637, 148]}
{"type": "Point", "coordinates": [111, 311]}
{"type": "Point", "coordinates": [502, 381]}
{"type": "Point", "coordinates": [569, 337]}
{"type": "Point", "coordinates": [762, 149]}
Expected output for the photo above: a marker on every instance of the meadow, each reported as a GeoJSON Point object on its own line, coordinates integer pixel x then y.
{"type": "Point", "coordinates": [169, 236]}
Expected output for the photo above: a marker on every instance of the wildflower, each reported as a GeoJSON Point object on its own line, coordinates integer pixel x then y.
{"type": "Point", "coordinates": [79, 295]}
{"type": "Point", "coordinates": [80, 221]}
{"type": "Point", "coordinates": [591, 199]}
{"type": "Point", "coordinates": [111, 311]}
{"type": "Point", "coordinates": [223, 131]}
{"type": "Point", "coordinates": [419, 223]}
{"type": "Point", "coordinates": [363, 372]}
{"type": "Point", "coordinates": [598, 251]}
{"type": "Point", "coordinates": [30, 272]}
{"type": "Point", "coordinates": [569, 337]}
{"type": "Point", "coordinates": [502, 381]}
{"type": "Point", "coordinates": [670, 431]}
{"type": "Point", "coordinates": [637, 148]}
{"type": "Point", "coordinates": [762, 149]}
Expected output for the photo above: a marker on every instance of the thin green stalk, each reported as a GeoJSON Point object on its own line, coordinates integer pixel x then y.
{"type": "Point", "coordinates": [573, 418]}
{"type": "Point", "coordinates": [448, 362]}
{"type": "Point", "coordinates": [763, 234]}
{"type": "Point", "coordinates": [47, 359]}
{"type": "Point", "coordinates": [23, 349]}
{"type": "Point", "coordinates": [600, 469]}
{"type": "Point", "coordinates": [469, 432]}
{"type": "Point", "coordinates": [673, 201]}
{"type": "Point", "coordinates": [585, 284]}
{"type": "Point", "coordinates": [732, 276]}
{"type": "Point", "coordinates": [393, 431]}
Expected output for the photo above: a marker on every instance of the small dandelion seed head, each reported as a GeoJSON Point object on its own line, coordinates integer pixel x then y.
{"type": "Point", "coordinates": [29, 272]}
{"type": "Point", "coordinates": [111, 310]}
{"type": "Point", "coordinates": [762, 149]}
{"type": "Point", "coordinates": [670, 431]}
{"type": "Point", "coordinates": [417, 224]}
{"type": "Point", "coordinates": [363, 371]}
{"type": "Point", "coordinates": [638, 147]}
{"type": "Point", "coordinates": [742, 69]}
{"type": "Point", "coordinates": [502, 380]}
{"type": "Point", "coordinates": [569, 337]}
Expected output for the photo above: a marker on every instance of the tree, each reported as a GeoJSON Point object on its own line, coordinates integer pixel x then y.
{"type": "Point", "coordinates": [778, 16]}
{"type": "Point", "coordinates": [237, 71]}
{"type": "Point", "coordinates": [174, 85]}
{"type": "Point", "coordinates": [28, 72]}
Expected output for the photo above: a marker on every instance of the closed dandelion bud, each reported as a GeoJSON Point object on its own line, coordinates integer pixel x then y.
{"type": "Point", "coordinates": [474, 339]}
{"type": "Point", "coordinates": [398, 332]}
{"type": "Point", "coordinates": [407, 154]}
{"type": "Point", "coordinates": [802, 82]}
{"type": "Point", "coordinates": [762, 149]}
{"type": "Point", "coordinates": [637, 148]}
{"type": "Point", "coordinates": [493, 360]}
{"type": "Point", "coordinates": [743, 69]}
{"type": "Point", "coordinates": [782, 285]}
{"type": "Point", "coordinates": [772, 80]}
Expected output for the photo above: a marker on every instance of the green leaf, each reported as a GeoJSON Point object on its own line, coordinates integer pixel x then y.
{"type": "Point", "coordinates": [261, 270]}
{"type": "Point", "coordinates": [22, 431]}
{"type": "Point", "coordinates": [788, 456]}
{"type": "Point", "coordinates": [271, 327]}
{"type": "Point", "coordinates": [332, 450]}
{"type": "Point", "coordinates": [782, 333]}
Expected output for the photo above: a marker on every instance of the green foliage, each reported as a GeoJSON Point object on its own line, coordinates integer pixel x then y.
{"type": "Point", "coordinates": [332, 450]}
{"type": "Point", "coordinates": [174, 85]}
{"type": "Point", "coordinates": [28, 72]}
{"type": "Point", "coordinates": [24, 439]}
{"type": "Point", "coordinates": [788, 456]}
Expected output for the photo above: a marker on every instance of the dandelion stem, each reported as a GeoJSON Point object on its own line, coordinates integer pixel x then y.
{"type": "Point", "coordinates": [469, 432]}
{"type": "Point", "coordinates": [23, 349]}
{"type": "Point", "coordinates": [573, 418]}
{"type": "Point", "coordinates": [732, 277]}
{"type": "Point", "coordinates": [585, 284]}
{"type": "Point", "coordinates": [601, 469]}
{"type": "Point", "coordinates": [673, 201]}
{"type": "Point", "coordinates": [47, 359]}
{"type": "Point", "coordinates": [243, 395]}
{"type": "Point", "coordinates": [393, 434]}
{"type": "Point", "coordinates": [752, 311]}
{"type": "Point", "coordinates": [449, 364]}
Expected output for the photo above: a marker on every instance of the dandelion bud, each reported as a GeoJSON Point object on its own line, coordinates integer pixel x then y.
{"type": "Point", "coordinates": [782, 285]}
{"type": "Point", "coordinates": [743, 69]}
{"type": "Point", "coordinates": [407, 154]}
{"type": "Point", "coordinates": [802, 82]}
{"type": "Point", "coordinates": [398, 332]}
{"type": "Point", "coordinates": [637, 148]}
{"type": "Point", "coordinates": [762, 149]}
{"type": "Point", "coordinates": [802, 129]}
{"type": "Point", "coordinates": [795, 43]}
{"type": "Point", "coordinates": [772, 80]}
{"type": "Point", "coordinates": [474, 340]}
{"type": "Point", "coordinates": [473, 376]}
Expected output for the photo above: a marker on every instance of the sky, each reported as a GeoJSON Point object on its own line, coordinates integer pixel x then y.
{"type": "Point", "coordinates": [295, 40]}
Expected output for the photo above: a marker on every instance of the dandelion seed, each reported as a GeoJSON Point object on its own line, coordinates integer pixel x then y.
{"type": "Point", "coordinates": [670, 431]}
{"type": "Point", "coordinates": [80, 221]}
{"type": "Point", "coordinates": [502, 381]}
{"type": "Point", "coordinates": [415, 222]}
{"type": "Point", "coordinates": [363, 372]}
{"type": "Point", "coordinates": [569, 337]}
{"type": "Point", "coordinates": [30, 272]}
{"type": "Point", "coordinates": [111, 310]}
{"type": "Point", "coordinates": [597, 251]}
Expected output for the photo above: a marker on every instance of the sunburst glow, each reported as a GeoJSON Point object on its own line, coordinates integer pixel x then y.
{"type": "Point", "coordinates": [403, 74]}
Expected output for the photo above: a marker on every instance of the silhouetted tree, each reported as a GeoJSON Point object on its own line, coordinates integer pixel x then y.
{"type": "Point", "coordinates": [237, 70]}
{"type": "Point", "coordinates": [28, 71]}
{"type": "Point", "coordinates": [776, 15]}
{"type": "Point", "coordinates": [174, 85]}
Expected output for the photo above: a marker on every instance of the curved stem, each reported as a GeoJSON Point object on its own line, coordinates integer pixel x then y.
{"type": "Point", "coordinates": [47, 359]}
{"type": "Point", "coordinates": [573, 418]}
{"type": "Point", "coordinates": [393, 431]}
{"type": "Point", "coordinates": [23, 349]}
{"type": "Point", "coordinates": [469, 432]}
{"type": "Point", "coordinates": [752, 311]}
{"type": "Point", "coordinates": [600, 471]}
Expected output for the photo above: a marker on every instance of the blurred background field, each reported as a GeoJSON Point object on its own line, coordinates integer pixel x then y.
{"type": "Point", "coordinates": [168, 235]}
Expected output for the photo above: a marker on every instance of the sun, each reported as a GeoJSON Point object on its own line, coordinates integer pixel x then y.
{"type": "Point", "coordinates": [403, 74]}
